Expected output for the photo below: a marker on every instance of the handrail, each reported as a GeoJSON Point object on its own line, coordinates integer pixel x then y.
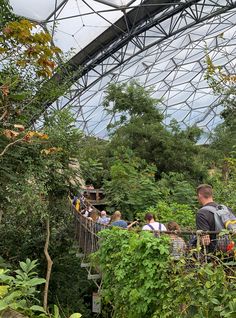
{"type": "Point", "coordinates": [87, 235]}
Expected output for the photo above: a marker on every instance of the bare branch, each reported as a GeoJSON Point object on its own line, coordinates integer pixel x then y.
{"type": "Point", "coordinates": [49, 266]}
{"type": "Point", "coordinates": [3, 115]}
{"type": "Point", "coordinates": [11, 144]}
{"type": "Point", "coordinates": [1, 215]}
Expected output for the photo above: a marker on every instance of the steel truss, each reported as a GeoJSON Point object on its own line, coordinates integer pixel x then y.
{"type": "Point", "coordinates": [146, 50]}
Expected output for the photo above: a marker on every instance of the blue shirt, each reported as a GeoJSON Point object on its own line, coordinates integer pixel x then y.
{"type": "Point", "coordinates": [104, 220]}
{"type": "Point", "coordinates": [120, 223]}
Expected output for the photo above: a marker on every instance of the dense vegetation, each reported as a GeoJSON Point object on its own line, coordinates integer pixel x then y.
{"type": "Point", "coordinates": [145, 166]}
{"type": "Point", "coordinates": [142, 279]}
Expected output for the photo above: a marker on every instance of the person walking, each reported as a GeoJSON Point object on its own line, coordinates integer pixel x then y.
{"type": "Point", "coordinates": [152, 225]}
{"type": "Point", "coordinates": [213, 217]}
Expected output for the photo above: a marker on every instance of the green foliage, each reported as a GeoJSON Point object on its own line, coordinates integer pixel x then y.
{"type": "Point", "coordinates": [6, 14]}
{"type": "Point", "coordinates": [133, 100]}
{"type": "Point", "coordinates": [76, 315]}
{"type": "Point", "coordinates": [180, 153]}
{"type": "Point", "coordinates": [92, 171]}
{"type": "Point", "coordinates": [223, 140]}
{"type": "Point", "coordinates": [70, 288]}
{"type": "Point", "coordinates": [28, 59]}
{"type": "Point", "coordinates": [94, 160]}
{"type": "Point", "coordinates": [144, 167]}
{"type": "Point", "coordinates": [140, 129]}
{"type": "Point", "coordinates": [133, 189]}
{"type": "Point", "coordinates": [222, 82]}
{"type": "Point", "coordinates": [175, 188]}
{"type": "Point", "coordinates": [40, 166]}
{"type": "Point", "coordinates": [35, 166]}
{"type": "Point", "coordinates": [132, 186]}
{"type": "Point", "coordinates": [131, 265]}
{"type": "Point", "coordinates": [61, 150]}
{"type": "Point", "coordinates": [204, 291]}
{"type": "Point", "coordinates": [36, 177]}
{"type": "Point", "coordinates": [224, 187]}
{"type": "Point", "coordinates": [165, 212]}
{"type": "Point", "coordinates": [19, 290]}
{"type": "Point", "coordinates": [140, 279]}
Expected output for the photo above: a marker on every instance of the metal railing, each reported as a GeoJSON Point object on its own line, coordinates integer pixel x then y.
{"type": "Point", "coordinates": [182, 243]}
{"type": "Point", "coordinates": [86, 233]}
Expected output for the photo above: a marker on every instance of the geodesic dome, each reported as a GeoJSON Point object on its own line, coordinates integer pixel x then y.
{"type": "Point", "coordinates": [161, 43]}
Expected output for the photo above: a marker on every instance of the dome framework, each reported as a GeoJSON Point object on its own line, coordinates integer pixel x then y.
{"type": "Point", "coordinates": [161, 43]}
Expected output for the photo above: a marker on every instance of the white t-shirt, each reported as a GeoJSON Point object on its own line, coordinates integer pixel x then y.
{"type": "Point", "coordinates": [156, 226]}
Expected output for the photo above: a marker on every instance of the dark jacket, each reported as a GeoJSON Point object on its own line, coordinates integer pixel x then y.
{"type": "Point", "coordinates": [205, 221]}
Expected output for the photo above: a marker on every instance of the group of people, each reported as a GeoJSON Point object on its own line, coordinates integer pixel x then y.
{"type": "Point", "coordinates": [211, 217]}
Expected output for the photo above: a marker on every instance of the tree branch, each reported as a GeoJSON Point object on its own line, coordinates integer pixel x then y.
{"type": "Point", "coordinates": [3, 115]}
{"type": "Point", "coordinates": [49, 265]}
{"type": "Point", "coordinates": [11, 144]}
{"type": "Point", "coordinates": [1, 215]}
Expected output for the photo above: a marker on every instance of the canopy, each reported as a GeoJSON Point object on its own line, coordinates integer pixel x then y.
{"type": "Point", "coordinates": [160, 43]}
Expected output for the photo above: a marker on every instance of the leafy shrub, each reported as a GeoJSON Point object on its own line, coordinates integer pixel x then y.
{"type": "Point", "coordinates": [18, 291]}
{"type": "Point", "coordinates": [176, 187]}
{"type": "Point", "coordinates": [132, 186]}
{"type": "Point", "coordinates": [224, 190]}
{"type": "Point", "coordinates": [165, 212]}
{"type": "Point", "coordinates": [140, 279]}
{"type": "Point", "coordinates": [131, 268]}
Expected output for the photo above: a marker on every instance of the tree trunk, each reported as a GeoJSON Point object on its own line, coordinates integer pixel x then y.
{"type": "Point", "coordinates": [1, 215]}
{"type": "Point", "coordinates": [225, 171]}
{"type": "Point", "coordinates": [49, 266]}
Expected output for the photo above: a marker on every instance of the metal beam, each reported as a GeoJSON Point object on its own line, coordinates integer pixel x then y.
{"type": "Point", "coordinates": [118, 53]}
{"type": "Point", "coordinates": [112, 48]}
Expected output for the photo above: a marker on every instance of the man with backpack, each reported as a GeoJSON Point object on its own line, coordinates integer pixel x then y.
{"type": "Point", "coordinates": [152, 225]}
{"type": "Point", "coordinates": [213, 217]}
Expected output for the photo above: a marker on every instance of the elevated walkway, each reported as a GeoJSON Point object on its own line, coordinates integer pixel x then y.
{"type": "Point", "coordinates": [87, 236]}
{"type": "Point", "coordinates": [95, 197]}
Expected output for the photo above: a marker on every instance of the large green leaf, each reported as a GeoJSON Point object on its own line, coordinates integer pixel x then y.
{"type": "Point", "coordinates": [36, 281]}
{"type": "Point", "coordinates": [3, 305]}
{"type": "Point", "coordinates": [37, 308]}
{"type": "Point", "coordinates": [76, 315]}
{"type": "Point", "coordinates": [3, 290]}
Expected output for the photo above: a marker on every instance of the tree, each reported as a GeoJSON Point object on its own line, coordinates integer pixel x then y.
{"type": "Point", "coordinates": [133, 101]}
{"type": "Point", "coordinates": [27, 60]}
{"type": "Point", "coordinates": [6, 13]}
{"type": "Point", "coordinates": [35, 170]}
{"type": "Point", "coordinates": [131, 186]}
{"type": "Point", "coordinates": [222, 81]}
{"type": "Point", "coordinates": [150, 283]}
{"type": "Point", "coordinates": [94, 160]}
{"type": "Point", "coordinates": [140, 128]}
